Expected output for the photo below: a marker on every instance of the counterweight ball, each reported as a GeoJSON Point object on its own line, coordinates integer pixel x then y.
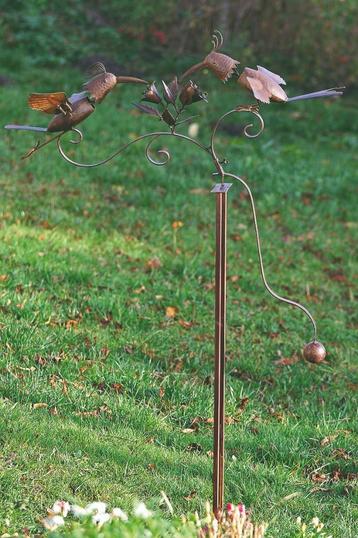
{"type": "Point", "coordinates": [314, 352]}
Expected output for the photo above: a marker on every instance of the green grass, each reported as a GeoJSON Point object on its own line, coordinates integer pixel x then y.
{"type": "Point", "coordinates": [83, 326]}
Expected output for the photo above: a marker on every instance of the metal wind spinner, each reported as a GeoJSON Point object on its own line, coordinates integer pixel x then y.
{"type": "Point", "coordinates": [168, 105]}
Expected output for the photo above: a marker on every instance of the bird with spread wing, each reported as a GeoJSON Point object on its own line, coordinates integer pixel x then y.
{"type": "Point", "coordinates": [266, 87]}
{"type": "Point", "coordinates": [68, 112]}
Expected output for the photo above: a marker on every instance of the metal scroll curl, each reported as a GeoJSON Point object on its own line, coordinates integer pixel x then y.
{"type": "Point", "coordinates": [148, 149]}
{"type": "Point", "coordinates": [247, 128]}
{"type": "Point", "coordinates": [163, 152]}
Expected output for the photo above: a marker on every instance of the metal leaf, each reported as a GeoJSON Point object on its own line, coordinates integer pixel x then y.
{"type": "Point", "coordinates": [147, 109]}
{"type": "Point", "coordinates": [168, 96]}
{"type": "Point", "coordinates": [174, 87]}
{"type": "Point", "coordinates": [168, 118]}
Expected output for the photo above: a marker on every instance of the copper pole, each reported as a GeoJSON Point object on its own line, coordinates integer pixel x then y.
{"type": "Point", "coordinates": [220, 190]}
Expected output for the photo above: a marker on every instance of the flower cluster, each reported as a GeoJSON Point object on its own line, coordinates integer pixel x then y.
{"type": "Point", "coordinates": [233, 523]}
{"type": "Point", "coordinates": [96, 511]}
{"type": "Point", "coordinates": [173, 100]}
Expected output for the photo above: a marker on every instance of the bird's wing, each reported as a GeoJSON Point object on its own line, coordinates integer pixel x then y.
{"type": "Point", "coordinates": [75, 97]}
{"type": "Point", "coordinates": [258, 89]}
{"type": "Point", "coordinates": [95, 69]}
{"type": "Point", "coordinates": [273, 76]}
{"type": "Point", "coordinates": [96, 86]}
{"type": "Point", "coordinates": [47, 102]}
{"type": "Point", "coordinates": [97, 74]}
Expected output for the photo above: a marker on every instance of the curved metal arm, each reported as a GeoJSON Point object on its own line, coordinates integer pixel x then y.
{"type": "Point", "coordinates": [252, 110]}
{"type": "Point", "coordinates": [261, 263]}
{"type": "Point", "coordinates": [153, 136]}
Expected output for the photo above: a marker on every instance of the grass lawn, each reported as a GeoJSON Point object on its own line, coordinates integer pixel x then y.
{"type": "Point", "coordinates": [104, 396]}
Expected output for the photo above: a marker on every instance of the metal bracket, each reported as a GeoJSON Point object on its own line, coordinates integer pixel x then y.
{"type": "Point", "coordinates": [221, 187]}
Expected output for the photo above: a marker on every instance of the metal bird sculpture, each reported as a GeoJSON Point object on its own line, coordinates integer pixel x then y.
{"type": "Point", "coordinates": [222, 65]}
{"type": "Point", "coordinates": [70, 111]}
{"type": "Point", "coordinates": [266, 87]}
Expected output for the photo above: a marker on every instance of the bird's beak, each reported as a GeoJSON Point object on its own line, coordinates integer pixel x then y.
{"type": "Point", "coordinates": [133, 80]}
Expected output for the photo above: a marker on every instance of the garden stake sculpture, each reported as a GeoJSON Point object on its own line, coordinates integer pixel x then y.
{"type": "Point", "coordinates": [170, 105]}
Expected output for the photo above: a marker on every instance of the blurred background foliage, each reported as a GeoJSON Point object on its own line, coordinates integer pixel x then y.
{"type": "Point", "coordinates": [312, 42]}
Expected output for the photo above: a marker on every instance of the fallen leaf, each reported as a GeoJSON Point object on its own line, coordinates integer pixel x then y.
{"type": "Point", "coordinates": [336, 475]}
{"type": "Point", "coordinates": [161, 392]}
{"type": "Point", "coordinates": [185, 324]}
{"type": "Point", "coordinates": [337, 276]}
{"type": "Point", "coordinates": [41, 361]}
{"type": "Point", "coordinates": [53, 380]}
{"type": "Point", "coordinates": [274, 335]}
{"type": "Point", "coordinates": [71, 323]}
{"type": "Point", "coordinates": [39, 405]}
{"type": "Point", "coordinates": [317, 477]}
{"type": "Point", "coordinates": [178, 365]}
{"type": "Point", "coordinates": [101, 386]}
{"type": "Point", "coordinates": [105, 351]}
{"type": "Point", "coordinates": [287, 361]}
{"type": "Point", "coordinates": [95, 412]}
{"type": "Point", "coordinates": [341, 453]}
{"type": "Point", "coordinates": [243, 403]}
{"type": "Point", "coordinates": [3, 278]}
{"type": "Point", "coordinates": [139, 290]}
{"type": "Point", "coordinates": [151, 466]}
{"type": "Point", "coordinates": [327, 440]}
{"type": "Point", "coordinates": [236, 237]}
{"type": "Point", "coordinates": [352, 476]}
{"type": "Point", "coordinates": [291, 496]}
{"type": "Point", "coordinates": [117, 387]}
{"type": "Point", "coordinates": [106, 320]}
{"type": "Point", "coordinates": [190, 496]}
{"type": "Point", "coordinates": [64, 387]}
{"type": "Point", "coordinates": [154, 263]}
{"type": "Point", "coordinates": [171, 311]}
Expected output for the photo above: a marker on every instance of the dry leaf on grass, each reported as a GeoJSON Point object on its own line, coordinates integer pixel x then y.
{"type": "Point", "coordinates": [327, 440]}
{"type": "Point", "coordinates": [39, 405]}
{"type": "Point", "coordinates": [171, 311]}
{"type": "Point", "coordinates": [185, 324]}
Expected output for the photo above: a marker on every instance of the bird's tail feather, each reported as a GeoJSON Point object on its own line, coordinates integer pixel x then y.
{"type": "Point", "coordinates": [26, 128]}
{"type": "Point", "coordinates": [331, 92]}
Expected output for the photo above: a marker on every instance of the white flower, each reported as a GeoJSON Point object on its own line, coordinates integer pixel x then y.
{"type": "Point", "coordinates": [119, 514]}
{"type": "Point", "coordinates": [96, 508]}
{"type": "Point", "coordinates": [78, 511]}
{"type": "Point", "coordinates": [101, 518]}
{"type": "Point", "coordinates": [142, 511]}
{"type": "Point", "coordinates": [61, 508]}
{"type": "Point", "coordinates": [52, 522]}
{"type": "Point", "coordinates": [315, 521]}
{"type": "Point", "coordinates": [299, 520]}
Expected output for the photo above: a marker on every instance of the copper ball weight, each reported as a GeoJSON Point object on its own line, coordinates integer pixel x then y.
{"type": "Point", "coordinates": [314, 352]}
